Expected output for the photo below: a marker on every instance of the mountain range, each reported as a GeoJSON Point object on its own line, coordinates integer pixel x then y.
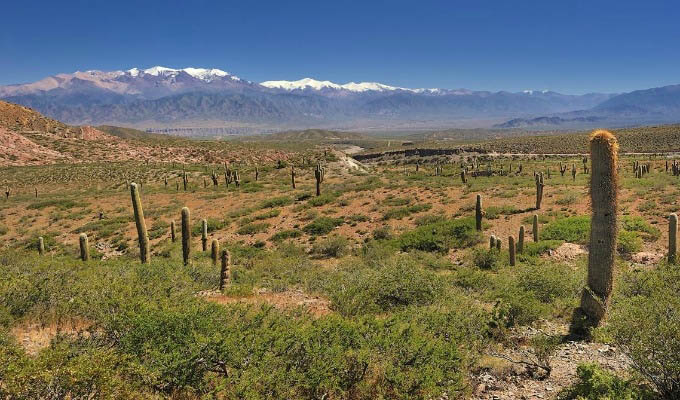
{"type": "Point", "coordinates": [200, 101]}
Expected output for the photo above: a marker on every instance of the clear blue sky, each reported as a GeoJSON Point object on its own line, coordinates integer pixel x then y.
{"type": "Point", "coordinates": [567, 46]}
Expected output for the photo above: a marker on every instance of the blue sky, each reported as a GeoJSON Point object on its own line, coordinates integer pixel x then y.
{"type": "Point", "coordinates": [567, 46]}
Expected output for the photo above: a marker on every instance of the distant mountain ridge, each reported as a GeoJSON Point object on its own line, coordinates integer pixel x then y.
{"type": "Point", "coordinates": [213, 100]}
{"type": "Point", "coordinates": [640, 107]}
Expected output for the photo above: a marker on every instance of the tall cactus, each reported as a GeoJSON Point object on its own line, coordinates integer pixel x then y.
{"type": "Point", "coordinates": [173, 234]}
{"type": "Point", "coordinates": [672, 238]}
{"type": "Point", "coordinates": [463, 177]}
{"type": "Point", "coordinates": [534, 228]}
{"type": "Point", "coordinates": [41, 245]}
{"type": "Point", "coordinates": [539, 190]}
{"type": "Point", "coordinates": [142, 235]}
{"type": "Point", "coordinates": [492, 242]}
{"type": "Point", "coordinates": [603, 226]}
{"type": "Point", "coordinates": [224, 272]}
{"type": "Point", "coordinates": [292, 176]}
{"type": "Point", "coordinates": [204, 234]}
{"type": "Point", "coordinates": [511, 250]}
{"type": "Point", "coordinates": [257, 173]}
{"type": "Point", "coordinates": [478, 213]}
{"type": "Point", "coordinates": [214, 251]}
{"type": "Point", "coordinates": [186, 235]}
{"type": "Point", "coordinates": [84, 247]}
{"type": "Point", "coordinates": [520, 240]}
{"type": "Point", "coordinates": [318, 175]}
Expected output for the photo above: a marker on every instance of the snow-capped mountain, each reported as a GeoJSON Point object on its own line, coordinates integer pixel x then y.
{"type": "Point", "coordinates": [164, 97]}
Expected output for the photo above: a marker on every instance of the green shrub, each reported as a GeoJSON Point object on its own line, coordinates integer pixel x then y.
{"type": "Point", "coordinates": [645, 323]}
{"type": "Point", "coordinates": [322, 225]}
{"type": "Point", "coordinates": [570, 229]}
{"type": "Point", "coordinates": [253, 228]}
{"type": "Point", "coordinates": [286, 234]}
{"type": "Point", "coordinates": [399, 213]}
{"type": "Point", "coordinates": [324, 199]}
{"type": "Point", "coordinates": [334, 246]}
{"type": "Point", "coordinates": [382, 233]}
{"type": "Point", "coordinates": [441, 236]}
{"type": "Point", "coordinates": [628, 242]}
{"type": "Point", "coordinates": [60, 204]}
{"type": "Point", "coordinates": [276, 202]}
{"type": "Point", "coordinates": [595, 383]}
{"type": "Point", "coordinates": [400, 283]}
{"type": "Point", "coordinates": [485, 259]}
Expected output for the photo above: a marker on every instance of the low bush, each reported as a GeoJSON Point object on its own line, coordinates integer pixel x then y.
{"type": "Point", "coordinates": [322, 225]}
{"type": "Point", "coordinates": [595, 383]}
{"type": "Point", "coordinates": [253, 228]}
{"type": "Point", "coordinates": [441, 236]}
{"type": "Point", "coordinates": [276, 202]}
{"type": "Point", "coordinates": [334, 246]}
{"type": "Point", "coordinates": [645, 324]}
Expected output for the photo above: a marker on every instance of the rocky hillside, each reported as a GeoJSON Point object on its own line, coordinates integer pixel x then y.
{"type": "Point", "coordinates": [29, 138]}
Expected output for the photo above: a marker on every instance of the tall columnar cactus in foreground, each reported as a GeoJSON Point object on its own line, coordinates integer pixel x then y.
{"type": "Point", "coordinates": [41, 245]}
{"type": "Point", "coordinates": [204, 234]}
{"type": "Point", "coordinates": [672, 237]}
{"type": "Point", "coordinates": [573, 172]}
{"type": "Point", "coordinates": [534, 228]}
{"type": "Point", "coordinates": [463, 176]}
{"type": "Point", "coordinates": [520, 240]}
{"type": "Point", "coordinates": [84, 247]}
{"type": "Point", "coordinates": [498, 244]}
{"type": "Point", "coordinates": [186, 235]}
{"type": "Point", "coordinates": [224, 272]}
{"type": "Point", "coordinates": [511, 250]}
{"type": "Point", "coordinates": [257, 173]}
{"type": "Point", "coordinates": [539, 190]}
{"type": "Point", "coordinates": [143, 237]}
{"type": "Point", "coordinates": [478, 213]}
{"type": "Point", "coordinates": [603, 226]}
{"type": "Point", "coordinates": [292, 176]}
{"type": "Point", "coordinates": [215, 251]}
{"type": "Point", "coordinates": [173, 234]}
{"type": "Point", "coordinates": [492, 242]}
{"type": "Point", "coordinates": [318, 175]}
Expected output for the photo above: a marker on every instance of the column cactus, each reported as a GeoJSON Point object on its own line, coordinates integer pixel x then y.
{"type": "Point", "coordinates": [173, 234]}
{"type": "Point", "coordinates": [224, 272]}
{"type": "Point", "coordinates": [292, 176]}
{"type": "Point", "coordinates": [318, 175]}
{"type": "Point", "coordinates": [478, 213]}
{"type": "Point", "coordinates": [186, 235]}
{"type": "Point", "coordinates": [204, 234]}
{"type": "Point", "coordinates": [603, 226]}
{"type": "Point", "coordinates": [672, 238]}
{"type": "Point", "coordinates": [511, 250]}
{"type": "Point", "coordinates": [492, 242]}
{"type": "Point", "coordinates": [215, 251]}
{"type": "Point", "coordinates": [41, 245]}
{"type": "Point", "coordinates": [142, 235]}
{"type": "Point", "coordinates": [463, 176]}
{"type": "Point", "coordinates": [520, 240]}
{"type": "Point", "coordinates": [257, 173]}
{"type": "Point", "coordinates": [84, 247]}
{"type": "Point", "coordinates": [498, 243]}
{"type": "Point", "coordinates": [539, 190]}
{"type": "Point", "coordinates": [534, 228]}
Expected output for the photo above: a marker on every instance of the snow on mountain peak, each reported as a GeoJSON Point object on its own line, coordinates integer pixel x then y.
{"type": "Point", "coordinates": [198, 73]}
{"type": "Point", "coordinates": [309, 83]}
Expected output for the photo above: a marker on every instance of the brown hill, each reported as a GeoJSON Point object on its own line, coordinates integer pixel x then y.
{"type": "Point", "coordinates": [29, 138]}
